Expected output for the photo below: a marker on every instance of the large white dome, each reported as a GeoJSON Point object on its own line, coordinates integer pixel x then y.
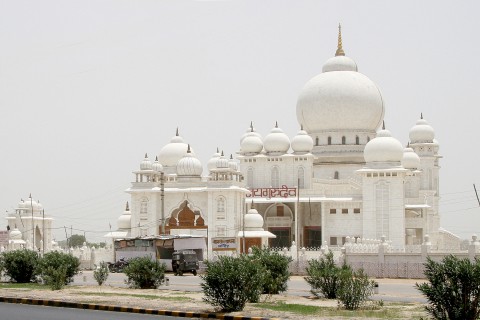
{"type": "Point", "coordinates": [172, 152]}
{"type": "Point", "coordinates": [340, 98]}
{"type": "Point", "coordinates": [383, 148]}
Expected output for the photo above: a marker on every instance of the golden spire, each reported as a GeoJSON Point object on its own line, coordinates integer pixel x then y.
{"type": "Point", "coordinates": [340, 51]}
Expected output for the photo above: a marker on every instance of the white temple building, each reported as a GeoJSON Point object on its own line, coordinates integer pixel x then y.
{"type": "Point", "coordinates": [343, 175]}
{"type": "Point", "coordinates": [29, 227]}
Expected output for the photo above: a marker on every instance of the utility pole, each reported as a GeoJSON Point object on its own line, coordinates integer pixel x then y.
{"type": "Point", "coordinates": [33, 226]}
{"type": "Point", "coordinates": [474, 188]}
{"type": "Point", "coordinates": [43, 232]}
{"type": "Point", "coordinates": [162, 199]}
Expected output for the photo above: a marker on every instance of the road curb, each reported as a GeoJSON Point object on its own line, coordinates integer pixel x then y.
{"type": "Point", "coordinates": [91, 306]}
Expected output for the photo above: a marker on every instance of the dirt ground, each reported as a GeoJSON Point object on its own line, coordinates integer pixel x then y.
{"type": "Point", "coordinates": [189, 301]}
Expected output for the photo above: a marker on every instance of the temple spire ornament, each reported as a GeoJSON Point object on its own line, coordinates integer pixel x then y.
{"type": "Point", "coordinates": [340, 51]}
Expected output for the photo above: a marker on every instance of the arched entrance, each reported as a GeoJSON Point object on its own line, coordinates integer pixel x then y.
{"type": "Point", "coordinates": [278, 220]}
{"type": "Point", "coordinates": [185, 217]}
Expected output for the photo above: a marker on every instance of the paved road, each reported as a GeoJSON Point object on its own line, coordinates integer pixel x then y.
{"type": "Point", "coordinates": [400, 290]}
{"type": "Point", "coordinates": [12, 311]}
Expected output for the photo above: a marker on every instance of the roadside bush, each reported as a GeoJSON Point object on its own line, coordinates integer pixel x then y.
{"type": "Point", "coordinates": [354, 288]}
{"type": "Point", "coordinates": [58, 260]}
{"type": "Point", "coordinates": [144, 273]}
{"type": "Point", "coordinates": [276, 269]}
{"type": "Point", "coordinates": [20, 265]}
{"type": "Point", "coordinates": [230, 282]}
{"type": "Point", "coordinates": [55, 278]}
{"type": "Point", "coordinates": [453, 291]}
{"type": "Point", "coordinates": [323, 276]}
{"type": "Point", "coordinates": [101, 273]}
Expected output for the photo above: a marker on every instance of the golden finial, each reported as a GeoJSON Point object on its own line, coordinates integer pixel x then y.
{"type": "Point", "coordinates": [340, 51]}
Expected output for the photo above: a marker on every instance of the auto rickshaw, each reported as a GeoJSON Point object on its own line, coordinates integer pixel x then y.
{"type": "Point", "coordinates": [184, 261]}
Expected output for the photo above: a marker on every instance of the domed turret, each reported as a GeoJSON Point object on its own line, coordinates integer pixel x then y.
{"type": "Point", "coordinates": [15, 234]}
{"type": "Point", "coordinates": [276, 142]}
{"type": "Point", "coordinates": [253, 221]}
{"type": "Point", "coordinates": [212, 163]}
{"type": "Point", "coordinates": [189, 165]}
{"type": "Point", "coordinates": [302, 142]}
{"type": "Point", "coordinates": [252, 144]}
{"type": "Point", "coordinates": [340, 98]}
{"type": "Point", "coordinates": [422, 132]}
{"type": "Point", "coordinates": [383, 148]}
{"type": "Point", "coordinates": [146, 164]}
{"type": "Point", "coordinates": [124, 221]}
{"type": "Point", "coordinates": [172, 152]}
{"type": "Point", "coordinates": [157, 166]}
{"type": "Point", "coordinates": [250, 129]}
{"type": "Point", "coordinates": [410, 159]}
{"type": "Point", "coordinates": [222, 163]}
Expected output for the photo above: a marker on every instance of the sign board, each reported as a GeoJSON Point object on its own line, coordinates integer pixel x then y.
{"type": "Point", "coordinates": [224, 244]}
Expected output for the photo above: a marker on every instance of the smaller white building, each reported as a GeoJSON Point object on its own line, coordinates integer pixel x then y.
{"type": "Point", "coordinates": [29, 227]}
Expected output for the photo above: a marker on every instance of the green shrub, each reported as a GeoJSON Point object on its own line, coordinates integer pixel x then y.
{"type": "Point", "coordinates": [57, 260]}
{"type": "Point", "coordinates": [144, 273]}
{"type": "Point", "coordinates": [323, 276]}
{"type": "Point", "coordinates": [354, 288]}
{"type": "Point", "coordinates": [20, 265]}
{"type": "Point", "coordinates": [276, 267]}
{"type": "Point", "coordinates": [230, 282]}
{"type": "Point", "coordinates": [101, 273]}
{"type": "Point", "coordinates": [55, 278]}
{"type": "Point", "coordinates": [453, 291]}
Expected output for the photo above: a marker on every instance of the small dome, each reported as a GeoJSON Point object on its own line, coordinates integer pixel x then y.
{"type": "Point", "coordinates": [15, 234]}
{"type": "Point", "coordinates": [340, 63]}
{"type": "Point", "coordinates": [222, 162]}
{"type": "Point", "coordinates": [146, 164]}
{"type": "Point", "coordinates": [189, 165]}
{"type": "Point", "coordinates": [157, 166]}
{"type": "Point", "coordinates": [212, 163]}
{"type": "Point", "coordinates": [383, 148]}
{"type": "Point", "coordinates": [172, 152]}
{"type": "Point", "coordinates": [410, 159]}
{"type": "Point", "coordinates": [422, 132]}
{"type": "Point", "coordinates": [22, 204]}
{"type": "Point", "coordinates": [29, 204]}
{"type": "Point", "coordinates": [124, 221]}
{"type": "Point", "coordinates": [276, 141]}
{"type": "Point", "coordinates": [232, 164]}
{"type": "Point", "coordinates": [253, 220]}
{"type": "Point", "coordinates": [249, 129]}
{"type": "Point", "coordinates": [251, 144]}
{"type": "Point", "coordinates": [302, 142]}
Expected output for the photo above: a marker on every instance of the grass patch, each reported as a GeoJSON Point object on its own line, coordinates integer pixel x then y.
{"type": "Point", "coordinates": [370, 311]}
{"type": "Point", "coordinates": [288, 307]}
{"type": "Point", "coordinates": [142, 296]}
{"type": "Point", "coordinates": [29, 286]}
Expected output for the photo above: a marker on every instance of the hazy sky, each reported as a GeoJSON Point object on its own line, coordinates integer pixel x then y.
{"type": "Point", "coordinates": [87, 87]}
